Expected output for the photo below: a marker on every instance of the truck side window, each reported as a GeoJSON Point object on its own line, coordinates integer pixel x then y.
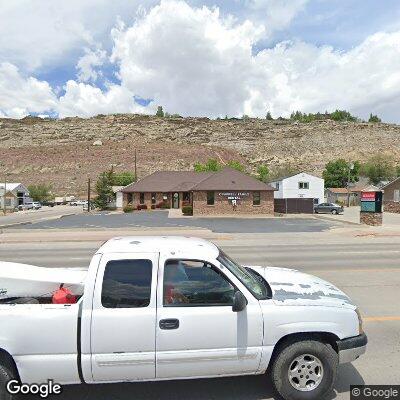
{"type": "Point", "coordinates": [195, 283]}
{"type": "Point", "coordinates": [127, 284]}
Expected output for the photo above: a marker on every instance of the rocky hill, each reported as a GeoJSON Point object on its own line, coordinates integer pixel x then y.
{"type": "Point", "coordinates": [65, 152]}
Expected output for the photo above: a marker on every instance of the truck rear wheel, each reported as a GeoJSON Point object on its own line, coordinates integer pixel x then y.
{"type": "Point", "coordinates": [305, 370]}
{"type": "Point", "coordinates": [5, 377]}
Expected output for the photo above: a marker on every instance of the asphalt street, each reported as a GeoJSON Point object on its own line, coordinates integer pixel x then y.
{"type": "Point", "coordinates": [105, 220]}
{"type": "Point", "coordinates": [369, 273]}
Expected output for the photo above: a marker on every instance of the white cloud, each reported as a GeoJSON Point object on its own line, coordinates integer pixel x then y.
{"type": "Point", "coordinates": [300, 76]}
{"type": "Point", "coordinates": [19, 95]}
{"type": "Point", "coordinates": [88, 64]}
{"type": "Point", "coordinates": [85, 100]}
{"type": "Point", "coordinates": [195, 61]}
{"type": "Point", "coordinates": [190, 60]}
{"type": "Point", "coordinates": [49, 33]}
{"type": "Point", "coordinates": [276, 14]}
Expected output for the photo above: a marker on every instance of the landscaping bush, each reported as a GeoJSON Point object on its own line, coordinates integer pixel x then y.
{"type": "Point", "coordinates": [153, 206]}
{"type": "Point", "coordinates": [187, 210]}
{"type": "Point", "coordinates": [128, 209]}
{"type": "Point", "coordinates": [141, 207]}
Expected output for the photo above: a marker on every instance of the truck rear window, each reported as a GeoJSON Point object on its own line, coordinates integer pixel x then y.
{"type": "Point", "coordinates": [127, 284]}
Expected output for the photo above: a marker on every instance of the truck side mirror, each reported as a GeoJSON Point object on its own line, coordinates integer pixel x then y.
{"type": "Point", "coordinates": [239, 302]}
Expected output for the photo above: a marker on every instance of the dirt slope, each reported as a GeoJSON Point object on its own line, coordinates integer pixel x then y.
{"type": "Point", "coordinates": [62, 152]}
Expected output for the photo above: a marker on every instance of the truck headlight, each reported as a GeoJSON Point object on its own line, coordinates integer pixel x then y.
{"type": "Point", "coordinates": [360, 322]}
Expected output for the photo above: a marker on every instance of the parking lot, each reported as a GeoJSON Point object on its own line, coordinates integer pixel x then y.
{"type": "Point", "coordinates": [366, 268]}
{"type": "Point", "coordinates": [104, 220]}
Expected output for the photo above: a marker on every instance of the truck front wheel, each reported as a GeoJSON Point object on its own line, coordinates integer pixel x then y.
{"type": "Point", "coordinates": [5, 377]}
{"type": "Point", "coordinates": [305, 370]}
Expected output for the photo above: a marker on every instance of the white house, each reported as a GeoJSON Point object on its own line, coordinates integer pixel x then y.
{"type": "Point", "coordinates": [15, 195]}
{"type": "Point", "coordinates": [301, 185]}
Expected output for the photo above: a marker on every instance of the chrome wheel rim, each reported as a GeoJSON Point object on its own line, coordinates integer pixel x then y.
{"type": "Point", "coordinates": [305, 372]}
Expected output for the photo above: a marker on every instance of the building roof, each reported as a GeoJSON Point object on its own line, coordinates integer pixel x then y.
{"type": "Point", "coordinates": [354, 189]}
{"type": "Point", "coordinates": [281, 178]}
{"type": "Point", "coordinates": [185, 181]}
{"type": "Point", "coordinates": [231, 179]}
{"type": "Point", "coordinates": [338, 190]}
{"type": "Point", "coordinates": [155, 244]}
{"type": "Point", "coordinates": [391, 183]}
{"type": "Point", "coordinates": [167, 181]}
{"type": "Point", "coordinates": [10, 185]}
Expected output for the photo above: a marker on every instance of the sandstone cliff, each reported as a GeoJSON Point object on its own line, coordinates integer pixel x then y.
{"type": "Point", "coordinates": [61, 152]}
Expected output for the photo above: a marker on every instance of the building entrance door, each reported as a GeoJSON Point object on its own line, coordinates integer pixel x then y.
{"type": "Point", "coordinates": [175, 200]}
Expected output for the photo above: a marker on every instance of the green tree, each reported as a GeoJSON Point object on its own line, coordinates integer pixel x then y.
{"type": "Point", "coordinates": [236, 165]}
{"type": "Point", "coordinates": [263, 173]}
{"type": "Point", "coordinates": [104, 190]}
{"type": "Point", "coordinates": [379, 168]}
{"type": "Point", "coordinates": [374, 118]}
{"type": "Point", "coordinates": [337, 173]}
{"type": "Point", "coordinates": [40, 192]}
{"type": "Point", "coordinates": [160, 112]}
{"type": "Point", "coordinates": [269, 116]}
{"type": "Point", "coordinates": [123, 178]}
{"type": "Point", "coordinates": [211, 165]}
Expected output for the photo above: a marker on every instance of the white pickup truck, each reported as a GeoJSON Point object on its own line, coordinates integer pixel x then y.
{"type": "Point", "coordinates": [157, 308]}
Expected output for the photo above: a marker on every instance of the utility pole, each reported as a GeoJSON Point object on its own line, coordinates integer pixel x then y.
{"type": "Point", "coordinates": [351, 167]}
{"type": "Point", "coordinates": [135, 166]}
{"type": "Point", "coordinates": [88, 195]}
{"type": "Point", "coordinates": [4, 194]}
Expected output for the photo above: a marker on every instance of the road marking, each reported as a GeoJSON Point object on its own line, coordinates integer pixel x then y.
{"type": "Point", "coordinates": [377, 319]}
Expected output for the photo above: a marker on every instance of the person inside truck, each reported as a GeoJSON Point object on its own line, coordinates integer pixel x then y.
{"type": "Point", "coordinates": [174, 276]}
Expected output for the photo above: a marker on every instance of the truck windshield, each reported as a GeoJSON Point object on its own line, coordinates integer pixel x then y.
{"type": "Point", "coordinates": [255, 286]}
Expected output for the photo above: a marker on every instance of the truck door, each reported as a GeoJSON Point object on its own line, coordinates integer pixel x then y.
{"type": "Point", "coordinates": [124, 318]}
{"type": "Point", "coordinates": [198, 333]}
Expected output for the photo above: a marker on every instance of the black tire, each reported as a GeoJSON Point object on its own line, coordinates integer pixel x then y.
{"type": "Point", "coordinates": [5, 376]}
{"type": "Point", "coordinates": [281, 364]}
{"type": "Point", "coordinates": [334, 212]}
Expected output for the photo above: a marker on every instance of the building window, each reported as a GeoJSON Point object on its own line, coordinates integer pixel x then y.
{"type": "Point", "coordinates": [304, 185]}
{"type": "Point", "coordinates": [127, 284]}
{"type": "Point", "coordinates": [153, 198]}
{"type": "Point", "coordinates": [396, 195]}
{"type": "Point", "coordinates": [256, 198]}
{"type": "Point", "coordinates": [130, 198]}
{"type": "Point", "coordinates": [277, 185]}
{"type": "Point", "coordinates": [210, 198]}
{"type": "Point", "coordinates": [141, 198]}
{"type": "Point", "coordinates": [186, 197]}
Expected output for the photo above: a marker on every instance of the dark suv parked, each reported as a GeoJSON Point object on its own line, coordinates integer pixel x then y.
{"type": "Point", "coordinates": [328, 208]}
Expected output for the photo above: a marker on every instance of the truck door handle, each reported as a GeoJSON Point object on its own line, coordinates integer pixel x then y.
{"type": "Point", "coordinates": [169, 324]}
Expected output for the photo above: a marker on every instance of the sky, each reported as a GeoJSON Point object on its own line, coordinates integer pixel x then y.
{"type": "Point", "coordinates": [64, 58]}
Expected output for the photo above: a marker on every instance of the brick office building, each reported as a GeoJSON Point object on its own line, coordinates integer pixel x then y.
{"type": "Point", "coordinates": [391, 196]}
{"type": "Point", "coordinates": [210, 193]}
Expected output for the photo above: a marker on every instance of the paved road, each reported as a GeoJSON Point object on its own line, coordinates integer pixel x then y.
{"type": "Point", "coordinates": [44, 214]}
{"type": "Point", "coordinates": [369, 274]}
{"type": "Point", "coordinates": [101, 220]}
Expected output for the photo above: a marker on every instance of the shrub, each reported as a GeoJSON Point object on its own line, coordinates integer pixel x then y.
{"type": "Point", "coordinates": [153, 206]}
{"type": "Point", "coordinates": [187, 210]}
{"type": "Point", "coordinates": [128, 209]}
{"type": "Point", "coordinates": [141, 207]}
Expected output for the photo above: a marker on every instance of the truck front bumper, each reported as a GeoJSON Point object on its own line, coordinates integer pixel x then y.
{"type": "Point", "coordinates": [352, 348]}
